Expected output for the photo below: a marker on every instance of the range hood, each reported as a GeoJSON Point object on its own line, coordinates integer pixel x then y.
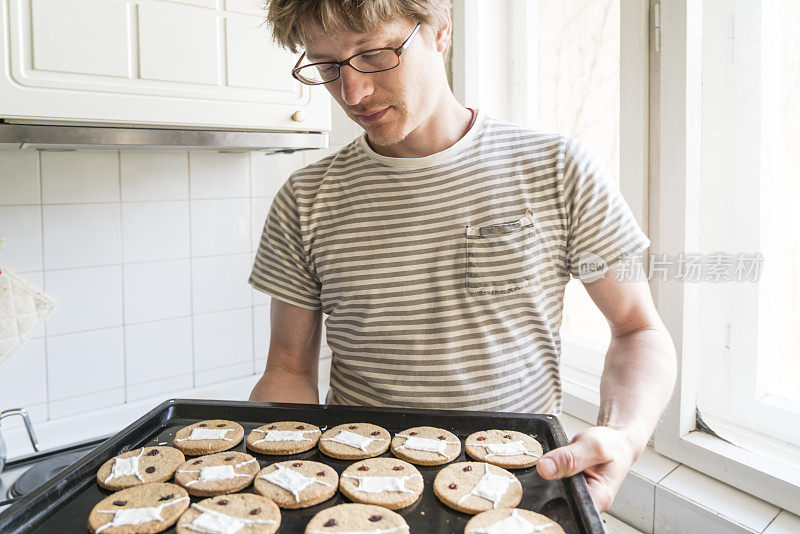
{"type": "Point", "coordinates": [32, 135]}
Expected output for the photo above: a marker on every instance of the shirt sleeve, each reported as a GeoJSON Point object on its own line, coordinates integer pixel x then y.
{"type": "Point", "coordinates": [600, 226]}
{"type": "Point", "coordinates": [281, 268]}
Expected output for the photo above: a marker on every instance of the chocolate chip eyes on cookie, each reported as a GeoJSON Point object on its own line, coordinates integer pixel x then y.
{"type": "Point", "coordinates": [297, 484]}
{"type": "Point", "coordinates": [216, 474]}
{"type": "Point", "coordinates": [139, 466]}
{"type": "Point", "coordinates": [283, 437]}
{"type": "Point", "coordinates": [205, 437]}
{"type": "Point", "coordinates": [426, 445]}
{"type": "Point", "coordinates": [503, 448]}
{"type": "Point", "coordinates": [354, 441]}
{"type": "Point", "coordinates": [386, 482]}
{"type": "Point", "coordinates": [357, 518]}
{"type": "Point", "coordinates": [481, 487]}
{"type": "Point", "coordinates": [152, 507]}
{"type": "Point", "coordinates": [253, 514]}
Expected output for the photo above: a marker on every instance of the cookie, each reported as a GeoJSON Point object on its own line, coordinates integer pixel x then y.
{"type": "Point", "coordinates": [386, 482]}
{"type": "Point", "coordinates": [284, 437]}
{"type": "Point", "coordinates": [426, 445]}
{"type": "Point", "coordinates": [139, 466]}
{"type": "Point", "coordinates": [142, 509]}
{"type": "Point", "coordinates": [240, 512]}
{"type": "Point", "coordinates": [297, 483]}
{"type": "Point", "coordinates": [215, 474]}
{"type": "Point", "coordinates": [352, 518]}
{"type": "Point", "coordinates": [504, 448]}
{"type": "Point", "coordinates": [354, 441]}
{"type": "Point", "coordinates": [473, 487]}
{"type": "Point", "coordinates": [205, 437]}
{"type": "Point", "coordinates": [516, 520]}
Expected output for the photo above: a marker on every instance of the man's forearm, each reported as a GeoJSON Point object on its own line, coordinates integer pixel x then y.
{"type": "Point", "coordinates": [637, 382]}
{"type": "Point", "coordinates": [281, 385]}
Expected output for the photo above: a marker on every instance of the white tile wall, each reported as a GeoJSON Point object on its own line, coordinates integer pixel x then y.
{"type": "Point", "coordinates": [157, 290]}
{"type": "Point", "coordinates": [20, 182]}
{"type": "Point", "coordinates": [154, 175]}
{"type": "Point", "coordinates": [22, 225]}
{"type": "Point", "coordinates": [155, 231]}
{"type": "Point", "coordinates": [82, 235]}
{"type": "Point", "coordinates": [147, 253]}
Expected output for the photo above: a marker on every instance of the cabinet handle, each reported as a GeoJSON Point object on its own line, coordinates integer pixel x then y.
{"type": "Point", "coordinates": [298, 116]}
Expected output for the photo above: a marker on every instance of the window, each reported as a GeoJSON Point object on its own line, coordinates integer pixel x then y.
{"type": "Point", "coordinates": [705, 141]}
{"type": "Point", "coordinates": [750, 369]}
{"type": "Point", "coordinates": [726, 122]}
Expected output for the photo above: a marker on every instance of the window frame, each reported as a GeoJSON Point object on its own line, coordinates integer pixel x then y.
{"type": "Point", "coordinates": [677, 77]}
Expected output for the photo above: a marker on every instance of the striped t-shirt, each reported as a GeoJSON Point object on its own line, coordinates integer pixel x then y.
{"type": "Point", "coordinates": [443, 277]}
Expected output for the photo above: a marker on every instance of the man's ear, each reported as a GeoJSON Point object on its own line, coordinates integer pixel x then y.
{"type": "Point", "coordinates": [444, 33]}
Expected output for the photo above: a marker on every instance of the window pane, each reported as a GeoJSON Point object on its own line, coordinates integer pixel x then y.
{"type": "Point", "coordinates": [749, 352]}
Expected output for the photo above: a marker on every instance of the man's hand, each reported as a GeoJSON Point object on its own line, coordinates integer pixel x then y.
{"type": "Point", "coordinates": [603, 454]}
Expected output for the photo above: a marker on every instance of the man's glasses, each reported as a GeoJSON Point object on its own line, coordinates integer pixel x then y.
{"type": "Point", "coordinates": [376, 60]}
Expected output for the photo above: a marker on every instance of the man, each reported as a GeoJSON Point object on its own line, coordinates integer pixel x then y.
{"type": "Point", "coordinates": [439, 244]}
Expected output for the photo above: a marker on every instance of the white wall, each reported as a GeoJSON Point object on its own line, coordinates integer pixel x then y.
{"type": "Point", "coordinates": [148, 254]}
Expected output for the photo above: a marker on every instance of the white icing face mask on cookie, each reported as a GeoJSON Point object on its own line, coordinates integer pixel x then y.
{"type": "Point", "coordinates": [490, 487]}
{"type": "Point", "coordinates": [215, 522]}
{"type": "Point", "coordinates": [124, 467]}
{"type": "Point", "coordinates": [382, 484]}
{"type": "Point", "coordinates": [212, 473]}
{"type": "Point", "coordinates": [513, 523]}
{"type": "Point", "coordinates": [207, 433]}
{"type": "Point", "coordinates": [136, 516]}
{"type": "Point", "coordinates": [283, 435]}
{"type": "Point", "coordinates": [353, 440]}
{"type": "Point", "coordinates": [292, 481]}
{"type": "Point", "coordinates": [512, 448]}
{"type": "Point", "coordinates": [425, 444]}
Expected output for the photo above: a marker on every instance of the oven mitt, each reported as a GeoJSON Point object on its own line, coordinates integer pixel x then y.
{"type": "Point", "coordinates": [22, 308]}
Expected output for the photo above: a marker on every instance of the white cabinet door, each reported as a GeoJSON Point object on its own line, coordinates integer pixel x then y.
{"type": "Point", "coordinates": [195, 63]}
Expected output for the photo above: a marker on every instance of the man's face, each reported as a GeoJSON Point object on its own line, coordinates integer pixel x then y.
{"type": "Point", "coordinates": [390, 104]}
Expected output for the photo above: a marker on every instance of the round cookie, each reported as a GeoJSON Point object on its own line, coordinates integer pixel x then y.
{"type": "Point", "coordinates": [205, 437]}
{"type": "Point", "coordinates": [504, 448]}
{"type": "Point", "coordinates": [139, 466]}
{"type": "Point", "coordinates": [426, 445]}
{"type": "Point", "coordinates": [514, 520]}
{"type": "Point", "coordinates": [473, 487]}
{"type": "Point", "coordinates": [253, 514]}
{"type": "Point", "coordinates": [357, 518]}
{"type": "Point", "coordinates": [216, 474]}
{"type": "Point", "coordinates": [116, 513]}
{"type": "Point", "coordinates": [297, 483]}
{"type": "Point", "coordinates": [386, 482]}
{"type": "Point", "coordinates": [354, 441]}
{"type": "Point", "coordinates": [283, 437]}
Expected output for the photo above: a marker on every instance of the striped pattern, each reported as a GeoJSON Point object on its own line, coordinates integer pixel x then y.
{"type": "Point", "coordinates": [438, 293]}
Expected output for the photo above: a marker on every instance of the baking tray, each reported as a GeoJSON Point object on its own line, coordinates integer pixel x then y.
{"type": "Point", "coordinates": [63, 503]}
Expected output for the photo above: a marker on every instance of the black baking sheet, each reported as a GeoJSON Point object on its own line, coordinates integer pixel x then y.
{"type": "Point", "coordinates": [63, 504]}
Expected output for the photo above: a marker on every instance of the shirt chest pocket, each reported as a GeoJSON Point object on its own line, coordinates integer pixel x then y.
{"type": "Point", "coordinates": [502, 258]}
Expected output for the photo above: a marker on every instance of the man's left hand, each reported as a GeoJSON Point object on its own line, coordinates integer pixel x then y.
{"type": "Point", "coordinates": [603, 454]}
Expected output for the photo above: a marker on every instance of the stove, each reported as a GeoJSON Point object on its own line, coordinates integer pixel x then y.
{"type": "Point", "coordinates": [25, 474]}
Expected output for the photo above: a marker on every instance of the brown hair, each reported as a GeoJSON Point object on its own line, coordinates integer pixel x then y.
{"type": "Point", "coordinates": [288, 16]}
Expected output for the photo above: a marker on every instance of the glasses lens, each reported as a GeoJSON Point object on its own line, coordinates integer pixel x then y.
{"type": "Point", "coordinates": [375, 60]}
{"type": "Point", "coordinates": [322, 73]}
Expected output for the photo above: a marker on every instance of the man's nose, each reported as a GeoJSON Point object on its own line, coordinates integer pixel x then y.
{"type": "Point", "coordinates": [355, 86]}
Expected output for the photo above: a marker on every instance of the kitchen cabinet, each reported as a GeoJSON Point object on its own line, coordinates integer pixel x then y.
{"type": "Point", "coordinates": [188, 63]}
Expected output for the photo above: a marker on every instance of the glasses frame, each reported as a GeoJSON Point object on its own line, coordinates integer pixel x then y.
{"type": "Point", "coordinates": [339, 64]}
